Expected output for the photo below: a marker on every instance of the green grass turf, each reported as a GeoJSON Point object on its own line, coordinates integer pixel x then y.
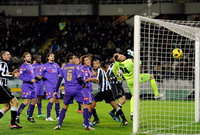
{"type": "Point", "coordinates": [156, 117]}
{"type": "Point", "coordinates": [72, 124]}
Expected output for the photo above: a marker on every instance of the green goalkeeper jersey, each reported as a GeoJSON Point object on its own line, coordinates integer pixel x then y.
{"type": "Point", "coordinates": [126, 68]}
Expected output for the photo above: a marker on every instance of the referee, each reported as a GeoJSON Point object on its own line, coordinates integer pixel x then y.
{"type": "Point", "coordinates": [104, 92]}
{"type": "Point", "coordinates": [6, 98]}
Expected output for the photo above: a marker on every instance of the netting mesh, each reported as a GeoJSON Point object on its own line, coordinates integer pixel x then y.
{"type": "Point", "coordinates": [174, 111]}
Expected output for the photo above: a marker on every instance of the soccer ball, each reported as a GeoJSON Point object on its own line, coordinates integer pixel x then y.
{"type": "Point", "coordinates": [177, 53]}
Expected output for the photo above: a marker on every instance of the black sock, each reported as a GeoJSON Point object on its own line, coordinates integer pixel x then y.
{"type": "Point", "coordinates": [113, 110]}
{"type": "Point", "coordinates": [1, 115]}
{"type": "Point", "coordinates": [94, 112]}
{"type": "Point", "coordinates": [79, 106]}
{"type": "Point", "coordinates": [13, 117]}
{"type": "Point", "coordinates": [121, 114]}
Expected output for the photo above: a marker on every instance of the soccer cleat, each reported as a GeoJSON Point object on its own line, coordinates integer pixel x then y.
{"type": "Point", "coordinates": [95, 122]}
{"type": "Point", "coordinates": [17, 119]}
{"type": "Point", "coordinates": [31, 119]}
{"type": "Point", "coordinates": [79, 111]}
{"type": "Point", "coordinates": [89, 128]}
{"type": "Point", "coordinates": [124, 123]}
{"type": "Point", "coordinates": [49, 119]}
{"type": "Point", "coordinates": [1, 115]}
{"type": "Point", "coordinates": [41, 116]}
{"type": "Point", "coordinates": [15, 126]}
{"type": "Point", "coordinates": [158, 97]}
{"type": "Point", "coordinates": [58, 127]}
{"type": "Point", "coordinates": [114, 117]}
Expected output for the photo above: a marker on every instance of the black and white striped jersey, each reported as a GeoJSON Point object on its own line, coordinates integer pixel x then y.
{"type": "Point", "coordinates": [111, 76]}
{"type": "Point", "coordinates": [104, 84]}
{"type": "Point", "coordinates": [4, 73]}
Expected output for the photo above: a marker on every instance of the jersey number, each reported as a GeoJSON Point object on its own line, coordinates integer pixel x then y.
{"type": "Point", "coordinates": [69, 75]}
{"type": "Point", "coordinates": [124, 70]}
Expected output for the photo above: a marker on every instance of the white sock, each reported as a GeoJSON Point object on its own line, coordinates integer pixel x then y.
{"type": "Point", "coordinates": [13, 108]}
{"type": "Point", "coordinates": [2, 111]}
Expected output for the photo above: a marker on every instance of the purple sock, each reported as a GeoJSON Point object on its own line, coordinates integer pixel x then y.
{"type": "Point", "coordinates": [57, 108]}
{"type": "Point", "coordinates": [49, 108]}
{"type": "Point", "coordinates": [90, 115]}
{"type": "Point", "coordinates": [21, 107]}
{"type": "Point", "coordinates": [39, 108]}
{"type": "Point", "coordinates": [86, 117]}
{"type": "Point", "coordinates": [62, 116]}
{"type": "Point", "coordinates": [31, 110]}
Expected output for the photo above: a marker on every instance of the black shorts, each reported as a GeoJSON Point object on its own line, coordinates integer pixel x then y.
{"type": "Point", "coordinates": [106, 95]}
{"type": "Point", "coordinates": [5, 95]}
{"type": "Point", "coordinates": [117, 90]}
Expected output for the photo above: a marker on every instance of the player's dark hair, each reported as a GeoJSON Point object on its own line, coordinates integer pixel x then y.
{"type": "Point", "coordinates": [49, 55]}
{"type": "Point", "coordinates": [70, 56]}
{"type": "Point", "coordinates": [36, 57]}
{"type": "Point", "coordinates": [116, 58]}
{"type": "Point", "coordinates": [82, 59]}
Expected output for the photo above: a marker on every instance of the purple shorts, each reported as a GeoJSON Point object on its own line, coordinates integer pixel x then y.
{"type": "Point", "coordinates": [50, 93]}
{"type": "Point", "coordinates": [87, 95]}
{"type": "Point", "coordinates": [28, 91]}
{"type": "Point", "coordinates": [39, 88]}
{"type": "Point", "coordinates": [71, 95]}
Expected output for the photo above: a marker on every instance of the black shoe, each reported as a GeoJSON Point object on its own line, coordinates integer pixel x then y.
{"type": "Point", "coordinates": [114, 117]}
{"type": "Point", "coordinates": [15, 126]}
{"type": "Point", "coordinates": [31, 119]}
{"type": "Point", "coordinates": [95, 122]}
{"type": "Point", "coordinates": [124, 123]}
{"type": "Point", "coordinates": [1, 115]}
{"type": "Point", "coordinates": [17, 120]}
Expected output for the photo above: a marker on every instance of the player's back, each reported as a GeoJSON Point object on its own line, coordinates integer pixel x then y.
{"type": "Point", "coordinates": [71, 73]}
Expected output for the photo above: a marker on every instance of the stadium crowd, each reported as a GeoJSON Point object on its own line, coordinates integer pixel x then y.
{"type": "Point", "coordinates": [97, 36]}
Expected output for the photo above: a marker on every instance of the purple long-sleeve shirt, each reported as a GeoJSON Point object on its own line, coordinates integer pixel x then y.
{"type": "Point", "coordinates": [26, 73]}
{"type": "Point", "coordinates": [87, 73]}
{"type": "Point", "coordinates": [51, 73]}
{"type": "Point", "coordinates": [38, 69]}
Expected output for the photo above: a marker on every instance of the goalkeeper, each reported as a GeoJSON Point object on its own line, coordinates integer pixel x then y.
{"type": "Point", "coordinates": [126, 65]}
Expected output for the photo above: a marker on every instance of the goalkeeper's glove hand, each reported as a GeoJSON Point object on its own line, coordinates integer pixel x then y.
{"type": "Point", "coordinates": [130, 52]}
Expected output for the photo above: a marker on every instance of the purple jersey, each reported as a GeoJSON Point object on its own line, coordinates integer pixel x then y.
{"type": "Point", "coordinates": [51, 72]}
{"type": "Point", "coordinates": [26, 75]}
{"type": "Point", "coordinates": [71, 73]}
{"type": "Point", "coordinates": [38, 69]}
{"type": "Point", "coordinates": [87, 73]}
{"type": "Point", "coordinates": [87, 91]}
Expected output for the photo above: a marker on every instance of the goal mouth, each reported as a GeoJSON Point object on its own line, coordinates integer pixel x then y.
{"type": "Point", "coordinates": [174, 79]}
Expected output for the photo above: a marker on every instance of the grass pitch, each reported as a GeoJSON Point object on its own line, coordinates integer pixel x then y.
{"type": "Point", "coordinates": [72, 124]}
{"type": "Point", "coordinates": [157, 117]}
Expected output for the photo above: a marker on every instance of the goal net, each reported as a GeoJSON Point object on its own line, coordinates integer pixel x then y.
{"type": "Point", "coordinates": [177, 109]}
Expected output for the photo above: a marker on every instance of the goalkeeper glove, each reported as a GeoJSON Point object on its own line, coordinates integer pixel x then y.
{"type": "Point", "coordinates": [130, 52]}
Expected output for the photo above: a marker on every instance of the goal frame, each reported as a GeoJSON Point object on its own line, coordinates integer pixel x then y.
{"type": "Point", "coordinates": [136, 46]}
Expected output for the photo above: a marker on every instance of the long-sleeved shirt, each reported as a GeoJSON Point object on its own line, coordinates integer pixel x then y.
{"type": "Point", "coordinates": [51, 73]}
{"type": "Point", "coordinates": [26, 73]}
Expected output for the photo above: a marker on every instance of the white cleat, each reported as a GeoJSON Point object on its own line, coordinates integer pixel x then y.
{"type": "Point", "coordinates": [158, 97]}
{"type": "Point", "coordinates": [49, 119]}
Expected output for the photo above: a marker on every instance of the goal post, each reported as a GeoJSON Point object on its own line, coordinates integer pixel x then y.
{"type": "Point", "coordinates": [177, 111]}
